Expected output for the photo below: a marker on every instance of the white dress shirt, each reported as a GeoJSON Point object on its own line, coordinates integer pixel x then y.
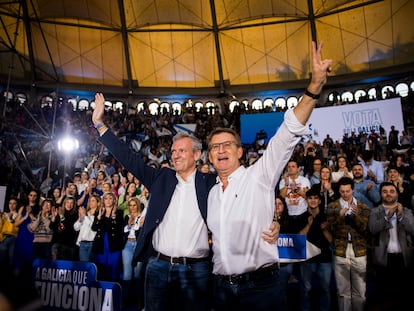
{"type": "Point", "coordinates": [393, 244]}
{"type": "Point", "coordinates": [84, 226]}
{"type": "Point", "coordinates": [238, 215]}
{"type": "Point", "coordinates": [182, 232]}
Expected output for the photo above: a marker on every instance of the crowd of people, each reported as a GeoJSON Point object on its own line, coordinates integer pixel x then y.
{"type": "Point", "coordinates": [119, 207]}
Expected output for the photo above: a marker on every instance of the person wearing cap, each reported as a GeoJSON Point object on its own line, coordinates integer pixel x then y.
{"type": "Point", "coordinates": [317, 232]}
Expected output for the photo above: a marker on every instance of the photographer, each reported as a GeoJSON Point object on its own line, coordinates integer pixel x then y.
{"type": "Point", "coordinates": [308, 157]}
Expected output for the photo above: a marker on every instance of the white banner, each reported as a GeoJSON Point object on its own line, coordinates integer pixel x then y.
{"type": "Point", "coordinates": [338, 120]}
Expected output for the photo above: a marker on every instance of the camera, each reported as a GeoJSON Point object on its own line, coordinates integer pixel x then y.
{"type": "Point", "coordinates": [311, 149]}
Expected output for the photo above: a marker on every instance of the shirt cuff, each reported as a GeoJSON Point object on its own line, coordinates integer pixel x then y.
{"type": "Point", "coordinates": [294, 126]}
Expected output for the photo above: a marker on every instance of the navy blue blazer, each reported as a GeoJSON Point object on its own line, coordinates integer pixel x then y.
{"type": "Point", "coordinates": [161, 184]}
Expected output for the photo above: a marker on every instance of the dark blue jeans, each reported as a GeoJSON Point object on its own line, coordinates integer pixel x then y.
{"type": "Point", "coordinates": [323, 271]}
{"type": "Point", "coordinates": [263, 294]}
{"type": "Point", "coordinates": [176, 286]}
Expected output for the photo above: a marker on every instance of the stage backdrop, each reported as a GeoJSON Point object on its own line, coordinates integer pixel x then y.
{"type": "Point", "coordinates": [335, 121]}
{"type": "Point", "coordinates": [338, 120]}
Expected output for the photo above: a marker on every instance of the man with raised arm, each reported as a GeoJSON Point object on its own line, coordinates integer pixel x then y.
{"type": "Point", "coordinates": [174, 237]}
{"type": "Point", "coordinates": [241, 204]}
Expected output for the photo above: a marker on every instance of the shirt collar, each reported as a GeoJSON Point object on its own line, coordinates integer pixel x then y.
{"type": "Point", "coordinates": [238, 172]}
{"type": "Point", "coordinates": [190, 178]}
{"type": "Point", "coordinates": [344, 204]}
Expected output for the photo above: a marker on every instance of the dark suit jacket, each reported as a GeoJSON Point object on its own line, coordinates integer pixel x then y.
{"type": "Point", "coordinates": [161, 184]}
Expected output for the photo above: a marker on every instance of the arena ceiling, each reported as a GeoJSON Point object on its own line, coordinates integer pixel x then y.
{"type": "Point", "coordinates": [198, 46]}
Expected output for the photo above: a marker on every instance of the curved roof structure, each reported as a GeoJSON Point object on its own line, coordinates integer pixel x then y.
{"type": "Point", "coordinates": [198, 46]}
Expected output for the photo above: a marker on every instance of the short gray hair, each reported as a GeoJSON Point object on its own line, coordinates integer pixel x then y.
{"type": "Point", "coordinates": [195, 142]}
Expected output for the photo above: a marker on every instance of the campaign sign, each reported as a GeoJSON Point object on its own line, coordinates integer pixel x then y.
{"type": "Point", "coordinates": [72, 285]}
{"type": "Point", "coordinates": [292, 246]}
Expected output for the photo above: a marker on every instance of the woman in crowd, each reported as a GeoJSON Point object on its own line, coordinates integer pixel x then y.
{"type": "Point", "coordinates": [83, 225]}
{"type": "Point", "coordinates": [8, 233]}
{"type": "Point", "coordinates": [132, 223]}
{"type": "Point", "coordinates": [342, 169]}
{"type": "Point", "coordinates": [107, 187]}
{"type": "Point", "coordinates": [100, 179]}
{"type": "Point", "coordinates": [40, 227]}
{"type": "Point", "coordinates": [130, 192]}
{"type": "Point", "coordinates": [398, 162]}
{"type": "Point", "coordinates": [325, 188]}
{"type": "Point", "coordinates": [64, 235]}
{"type": "Point", "coordinates": [116, 184]}
{"type": "Point", "coordinates": [403, 187]}
{"type": "Point", "coordinates": [24, 242]}
{"type": "Point", "coordinates": [56, 195]}
{"type": "Point", "coordinates": [108, 242]}
{"type": "Point", "coordinates": [314, 174]}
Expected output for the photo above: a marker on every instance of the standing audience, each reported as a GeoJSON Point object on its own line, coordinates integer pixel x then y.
{"type": "Point", "coordinates": [64, 235]}
{"type": "Point", "coordinates": [8, 233]}
{"type": "Point", "coordinates": [40, 227]}
{"type": "Point", "coordinates": [342, 169]}
{"type": "Point", "coordinates": [392, 227]}
{"type": "Point", "coordinates": [132, 224]}
{"type": "Point", "coordinates": [108, 242]}
{"type": "Point", "coordinates": [402, 186]}
{"type": "Point", "coordinates": [348, 221]}
{"type": "Point", "coordinates": [23, 251]}
{"type": "Point", "coordinates": [365, 190]}
{"type": "Point", "coordinates": [293, 188]}
{"type": "Point", "coordinates": [83, 225]}
{"type": "Point", "coordinates": [317, 232]}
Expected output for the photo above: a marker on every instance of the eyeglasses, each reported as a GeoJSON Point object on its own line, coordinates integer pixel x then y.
{"type": "Point", "coordinates": [225, 144]}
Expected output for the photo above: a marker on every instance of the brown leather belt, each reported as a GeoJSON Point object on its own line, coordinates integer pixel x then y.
{"type": "Point", "coordinates": [256, 275]}
{"type": "Point", "coordinates": [178, 260]}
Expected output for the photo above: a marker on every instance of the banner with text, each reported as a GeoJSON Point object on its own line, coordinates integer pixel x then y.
{"type": "Point", "coordinates": [338, 120]}
{"type": "Point", "coordinates": [295, 247]}
{"type": "Point", "coordinates": [334, 120]}
{"type": "Point", "coordinates": [72, 285]}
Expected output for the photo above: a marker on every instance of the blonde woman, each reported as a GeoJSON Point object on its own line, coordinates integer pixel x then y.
{"type": "Point", "coordinates": [64, 235]}
{"type": "Point", "coordinates": [132, 222]}
{"type": "Point", "coordinates": [108, 242]}
{"type": "Point", "coordinates": [130, 192]}
{"type": "Point", "coordinates": [106, 187]}
{"type": "Point", "coordinates": [83, 225]}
